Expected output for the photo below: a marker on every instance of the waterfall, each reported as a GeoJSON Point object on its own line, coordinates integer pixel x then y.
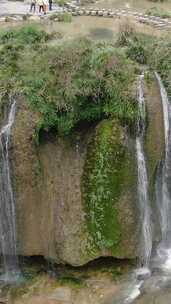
{"type": "Point", "coordinates": [144, 204]}
{"type": "Point", "coordinates": [163, 195]}
{"type": "Point", "coordinates": [143, 272]}
{"type": "Point", "coordinates": [7, 204]}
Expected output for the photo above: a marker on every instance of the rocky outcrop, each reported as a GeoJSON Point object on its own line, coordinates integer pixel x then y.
{"type": "Point", "coordinates": [52, 211]}
{"type": "Point", "coordinates": [76, 197]}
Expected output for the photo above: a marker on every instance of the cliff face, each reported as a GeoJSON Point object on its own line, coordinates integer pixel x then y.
{"type": "Point", "coordinates": [76, 197]}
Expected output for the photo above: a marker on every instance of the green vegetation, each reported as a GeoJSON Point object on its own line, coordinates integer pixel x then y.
{"type": "Point", "coordinates": [25, 35]}
{"type": "Point", "coordinates": [67, 84]}
{"type": "Point", "coordinates": [61, 2]}
{"type": "Point", "coordinates": [65, 17]}
{"type": "Point", "coordinates": [106, 174]}
{"type": "Point", "coordinates": [161, 61]}
{"type": "Point", "coordinates": [71, 280]}
{"type": "Point", "coordinates": [81, 81]}
{"type": "Point", "coordinates": [149, 50]}
{"type": "Point", "coordinates": [100, 182]}
{"type": "Point", "coordinates": [154, 11]}
{"type": "Point", "coordinates": [107, 169]}
{"type": "Point", "coordinates": [61, 17]}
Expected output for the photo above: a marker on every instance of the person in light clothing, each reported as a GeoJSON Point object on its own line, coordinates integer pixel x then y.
{"type": "Point", "coordinates": [45, 5]}
{"type": "Point", "coordinates": [40, 4]}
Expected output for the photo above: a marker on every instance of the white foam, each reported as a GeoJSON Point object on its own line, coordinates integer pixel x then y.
{"type": "Point", "coordinates": [134, 293]}
{"type": "Point", "coordinates": [166, 266]}
{"type": "Point", "coordinates": [144, 271]}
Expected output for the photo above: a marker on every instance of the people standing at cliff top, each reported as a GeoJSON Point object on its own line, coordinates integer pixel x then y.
{"type": "Point", "coordinates": [50, 5]}
{"type": "Point", "coordinates": [40, 4]}
{"type": "Point", "coordinates": [33, 6]}
{"type": "Point", "coordinates": [45, 5]}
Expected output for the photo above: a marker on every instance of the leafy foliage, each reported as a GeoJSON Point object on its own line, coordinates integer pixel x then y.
{"type": "Point", "coordinates": [161, 60]}
{"type": "Point", "coordinates": [67, 84]}
{"type": "Point", "coordinates": [26, 35]}
{"type": "Point", "coordinates": [153, 51]}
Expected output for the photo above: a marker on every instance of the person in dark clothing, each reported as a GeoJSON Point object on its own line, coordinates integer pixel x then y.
{"type": "Point", "coordinates": [41, 9]}
{"type": "Point", "coordinates": [33, 6]}
{"type": "Point", "coordinates": [50, 5]}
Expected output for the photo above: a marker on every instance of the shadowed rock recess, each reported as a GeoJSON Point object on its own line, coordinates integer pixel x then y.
{"type": "Point", "coordinates": [76, 197]}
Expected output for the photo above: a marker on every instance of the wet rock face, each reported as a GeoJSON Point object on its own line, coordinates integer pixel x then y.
{"type": "Point", "coordinates": [76, 197]}
{"type": "Point", "coordinates": [52, 213]}
{"type": "Point", "coordinates": [154, 139]}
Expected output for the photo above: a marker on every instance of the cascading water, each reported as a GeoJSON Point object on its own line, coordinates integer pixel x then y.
{"type": "Point", "coordinates": [131, 289]}
{"type": "Point", "coordinates": [7, 204]}
{"type": "Point", "coordinates": [144, 205]}
{"type": "Point", "coordinates": [163, 194]}
{"type": "Point", "coordinates": [162, 259]}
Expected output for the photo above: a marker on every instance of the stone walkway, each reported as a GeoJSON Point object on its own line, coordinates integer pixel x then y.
{"type": "Point", "coordinates": [153, 21]}
{"type": "Point", "coordinates": [17, 9]}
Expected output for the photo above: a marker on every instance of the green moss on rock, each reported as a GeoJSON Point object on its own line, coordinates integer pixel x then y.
{"type": "Point", "coordinates": [106, 175]}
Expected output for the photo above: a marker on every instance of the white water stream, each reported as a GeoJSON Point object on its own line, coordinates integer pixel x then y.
{"type": "Point", "coordinates": [163, 196]}
{"type": "Point", "coordinates": [7, 204]}
{"type": "Point", "coordinates": [143, 196]}
{"type": "Point", "coordinates": [162, 258]}
{"type": "Point", "coordinates": [144, 203]}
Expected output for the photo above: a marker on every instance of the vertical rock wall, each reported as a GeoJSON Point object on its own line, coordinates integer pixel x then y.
{"type": "Point", "coordinates": [58, 183]}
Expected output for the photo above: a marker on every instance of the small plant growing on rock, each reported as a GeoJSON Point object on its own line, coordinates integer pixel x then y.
{"type": "Point", "coordinates": [126, 33]}
{"type": "Point", "coordinates": [65, 17]}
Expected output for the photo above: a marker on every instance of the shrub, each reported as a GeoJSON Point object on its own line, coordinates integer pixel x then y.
{"type": "Point", "coordinates": [161, 60]}
{"type": "Point", "coordinates": [26, 35]}
{"type": "Point", "coordinates": [126, 33]}
{"type": "Point", "coordinates": [137, 52]}
{"type": "Point", "coordinates": [67, 84]}
{"type": "Point", "coordinates": [80, 82]}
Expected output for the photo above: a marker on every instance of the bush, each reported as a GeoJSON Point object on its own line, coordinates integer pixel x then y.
{"type": "Point", "coordinates": [80, 82]}
{"type": "Point", "coordinates": [137, 52]}
{"type": "Point", "coordinates": [26, 35]}
{"type": "Point", "coordinates": [67, 84]}
{"type": "Point", "coordinates": [126, 33]}
{"type": "Point", "coordinates": [161, 60]}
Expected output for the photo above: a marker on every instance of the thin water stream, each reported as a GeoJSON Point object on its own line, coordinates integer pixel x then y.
{"type": "Point", "coordinates": [163, 195]}
{"type": "Point", "coordinates": [7, 203]}
{"type": "Point", "coordinates": [143, 195]}
{"type": "Point", "coordinates": [131, 289]}
{"type": "Point", "coordinates": [144, 203]}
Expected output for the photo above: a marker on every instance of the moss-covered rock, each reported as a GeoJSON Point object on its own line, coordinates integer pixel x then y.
{"type": "Point", "coordinates": [54, 194]}
{"type": "Point", "coordinates": [109, 184]}
{"type": "Point", "coordinates": [76, 197]}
